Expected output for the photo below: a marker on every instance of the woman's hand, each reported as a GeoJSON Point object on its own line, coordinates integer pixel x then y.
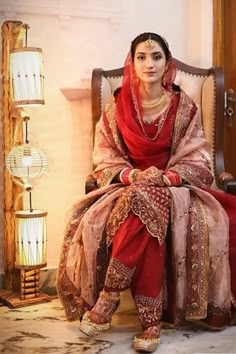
{"type": "Point", "coordinates": [151, 175]}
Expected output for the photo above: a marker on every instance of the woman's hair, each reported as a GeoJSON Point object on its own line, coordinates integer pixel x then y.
{"type": "Point", "coordinates": [149, 35]}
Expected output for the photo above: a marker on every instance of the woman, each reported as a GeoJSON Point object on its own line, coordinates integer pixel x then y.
{"type": "Point", "coordinates": [152, 225]}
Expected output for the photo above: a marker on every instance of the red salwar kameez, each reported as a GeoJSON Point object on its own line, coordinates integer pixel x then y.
{"type": "Point", "coordinates": [169, 245]}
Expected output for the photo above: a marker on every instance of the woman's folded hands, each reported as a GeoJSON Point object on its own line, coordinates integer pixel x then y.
{"type": "Point", "coordinates": [152, 175]}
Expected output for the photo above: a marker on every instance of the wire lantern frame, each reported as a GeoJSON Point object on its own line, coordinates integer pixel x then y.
{"type": "Point", "coordinates": [26, 161]}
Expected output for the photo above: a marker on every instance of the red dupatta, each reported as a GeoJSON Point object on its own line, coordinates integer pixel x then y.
{"type": "Point", "coordinates": [143, 152]}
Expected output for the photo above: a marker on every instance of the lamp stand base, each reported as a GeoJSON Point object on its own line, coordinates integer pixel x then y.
{"type": "Point", "coordinates": [12, 299]}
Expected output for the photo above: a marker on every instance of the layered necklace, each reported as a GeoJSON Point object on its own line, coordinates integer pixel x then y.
{"type": "Point", "coordinates": [161, 121]}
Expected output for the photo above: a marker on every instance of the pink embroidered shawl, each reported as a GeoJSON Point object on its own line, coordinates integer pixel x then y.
{"type": "Point", "coordinates": [77, 283]}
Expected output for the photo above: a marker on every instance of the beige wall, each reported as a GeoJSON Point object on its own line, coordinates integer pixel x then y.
{"type": "Point", "coordinates": [77, 36]}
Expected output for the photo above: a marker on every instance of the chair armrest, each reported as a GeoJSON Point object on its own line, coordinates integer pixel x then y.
{"type": "Point", "coordinates": [230, 186]}
{"type": "Point", "coordinates": [90, 185]}
{"type": "Point", "coordinates": [228, 182]}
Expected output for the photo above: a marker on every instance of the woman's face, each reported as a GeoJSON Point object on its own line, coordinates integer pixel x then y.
{"type": "Point", "coordinates": [149, 62]}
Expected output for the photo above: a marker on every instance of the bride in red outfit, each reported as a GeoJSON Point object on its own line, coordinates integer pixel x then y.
{"type": "Point", "coordinates": [153, 224]}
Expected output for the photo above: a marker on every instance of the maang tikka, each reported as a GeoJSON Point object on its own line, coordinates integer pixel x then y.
{"type": "Point", "coordinates": [149, 43]}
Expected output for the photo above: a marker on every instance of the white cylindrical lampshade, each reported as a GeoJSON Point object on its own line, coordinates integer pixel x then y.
{"type": "Point", "coordinates": [31, 239]}
{"type": "Point", "coordinates": [26, 161]}
{"type": "Point", "coordinates": [26, 76]}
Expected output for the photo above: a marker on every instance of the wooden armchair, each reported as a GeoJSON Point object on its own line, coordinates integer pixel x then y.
{"type": "Point", "coordinates": [204, 86]}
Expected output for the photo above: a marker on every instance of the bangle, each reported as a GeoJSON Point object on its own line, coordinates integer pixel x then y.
{"type": "Point", "coordinates": [171, 178]}
{"type": "Point", "coordinates": [124, 175]}
{"type": "Point", "coordinates": [133, 174]}
{"type": "Point", "coordinates": [166, 180]}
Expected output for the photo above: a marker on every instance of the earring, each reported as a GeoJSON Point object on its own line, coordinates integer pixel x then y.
{"type": "Point", "coordinates": [164, 80]}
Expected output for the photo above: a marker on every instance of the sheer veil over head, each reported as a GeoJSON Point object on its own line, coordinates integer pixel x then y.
{"type": "Point", "coordinates": [129, 101]}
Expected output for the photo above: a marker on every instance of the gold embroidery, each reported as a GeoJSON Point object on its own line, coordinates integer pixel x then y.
{"type": "Point", "coordinates": [197, 262]}
{"type": "Point", "coordinates": [118, 276]}
{"type": "Point", "coordinates": [107, 175]}
{"type": "Point", "coordinates": [70, 296]}
{"type": "Point", "coordinates": [149, 203]}
{"type": "Point", "coordinates": [111, 125]}
{"type": "Point", "coordinates": [194, 174]}
{"type": "Point", "coordinates": [183, 117]}
{"type": "Point", "coordinates": [149, 310]}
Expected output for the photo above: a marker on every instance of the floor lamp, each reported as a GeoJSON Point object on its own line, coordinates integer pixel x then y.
{"type": "Point", "coordinates": [23, 68]}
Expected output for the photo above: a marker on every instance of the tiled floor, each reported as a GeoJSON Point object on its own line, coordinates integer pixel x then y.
{"type": "Point", "coordinates": [43, 329]}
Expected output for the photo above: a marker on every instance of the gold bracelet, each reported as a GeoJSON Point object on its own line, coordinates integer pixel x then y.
{"type": "Point", "coordinates": [166, 181]}
{"type": "Point", "coordinates": [133, 175]}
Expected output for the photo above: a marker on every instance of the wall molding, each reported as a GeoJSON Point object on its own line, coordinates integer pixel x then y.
{"type": "Point", "coordinates": [76, 94]}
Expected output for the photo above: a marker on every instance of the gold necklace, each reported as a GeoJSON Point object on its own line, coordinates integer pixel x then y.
{"type": "Point", "coordinates": [159, 124]}
{"type": "Point", "coordinates": [154, 104]}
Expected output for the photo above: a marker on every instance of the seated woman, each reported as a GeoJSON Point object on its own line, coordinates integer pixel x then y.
{"type": "Point", "coordinates": [153, 225]}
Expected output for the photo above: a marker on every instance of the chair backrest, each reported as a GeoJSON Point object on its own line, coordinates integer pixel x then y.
{"type": "Point", "coordinates": [204, 86]}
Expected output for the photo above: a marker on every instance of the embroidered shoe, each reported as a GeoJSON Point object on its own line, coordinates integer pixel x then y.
{"type": "Point", "coordinates": [148, 341]}
{"type": "Point", "coordinates": [102, 311]}
{"type": "Point", "coordinates": [90, 328]}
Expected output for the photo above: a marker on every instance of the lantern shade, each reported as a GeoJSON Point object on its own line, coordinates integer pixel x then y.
{"type": "Point", "coordinates": [26, 161]}
{"type": "Point", "coordinates": [30, 238]}
{"type": "Point", "coordinates": [26, 76]}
